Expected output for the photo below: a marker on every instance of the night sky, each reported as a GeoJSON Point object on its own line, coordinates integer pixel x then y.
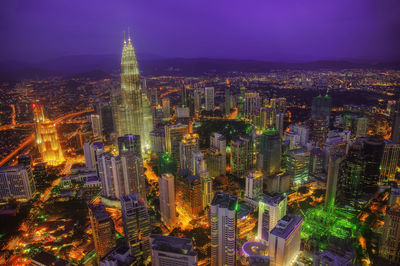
{"type": "Point", "coordinates": [275, 30]}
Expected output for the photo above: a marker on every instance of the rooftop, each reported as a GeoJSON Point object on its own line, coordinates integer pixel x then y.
{"type": "Point", "coordinates": [286, 226]}
{"type": "Point", "coordinates": [224, 200]}
{"type": "Point", "coordinates": [172, 244]}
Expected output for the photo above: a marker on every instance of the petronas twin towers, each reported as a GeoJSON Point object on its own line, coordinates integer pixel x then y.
{"type": "Point", "coordinates": [128, 103]}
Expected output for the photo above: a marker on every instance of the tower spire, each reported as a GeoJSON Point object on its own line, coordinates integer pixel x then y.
{"type": "Point", "coordinates": [124, 39]}
{"type": "Point", "coordinates": [129, 36]}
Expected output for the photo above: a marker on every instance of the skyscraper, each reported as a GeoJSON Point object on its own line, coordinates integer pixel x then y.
{"type": "Point", "coordinates": [102, 229]}
{"type": "Point", "coordinates": [251, 104]}
{"type": "Point", "coordinates": [96, 125]}
{"type": "Point", "coordinates": [285, 240]}
{"type": "Point", "coordinates": [166, 164]}
{"type": "Point", "coordinates": [270, 152]}
{"type": "Point", "coordinates": [389, 162]}
{"type": "Point", "coordinates": [209, 95]}
{"type": "Point", "coordinates": [270, 211]}
{"type": "Point", "coordinates": [170, 250]}
{"type": "Point", "coordinates": [137, 228]}
{"type": "Point", "coordinates": [216, 155]}
{"type": "Point", "coordinates": [197, 100]}
{"type": "Point", "coordinates": [298, 165]}
{"type": "Point", "coordinates": [173, 136]}
{"type": "Point", "coordinates": [128, 114]}
{"type": "Point", "coordinates": [390, 239]}
{"type": "Point", "coordinates": [166, 107]}
{"type": "Point", "coordinates": [332, 179]}
{"type": "Point", "coordinates": [16, 182]}
{"type": "Point", "coordinates": [189, 143]}
{"type": "Point", "coordinates": [241, 155]}
{"type": "Point", "coordinates": [395, 115]}
{"type": "Point", "coordinates": [254, 185]}
{"type": "Point", "coordinates": [223, 229]}
{"type": "Point", "coordinates": [130, 143]}
{"type": "Point", "coordinates": [321, 107]}
{"type": "Point", "coordinates": [167, 198]}
{"type": "Point", "coordinates": [133, 174]}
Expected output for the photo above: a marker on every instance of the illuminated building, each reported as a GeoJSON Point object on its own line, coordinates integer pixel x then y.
{"type": "Point", "coordinates": [170, 250]}
{"type": "Point", "coordinates": [394, 197]}
{"type": "Point", "coordinates": [157, 140]}
{"type": "Point", "coordinates": [173, 136]}
{"type": "Point", "coordinates": [166, 185]}
{"type": "Point", "coordinates": [45, 258]}
{"type": "Point", "coordinates": [130, 143]}
{"type": "Point", "coordinates": [298, 165]}
{"type": "Point", "coordinates": [270, 211]}
{"type": "Point", "coordinates": [254, 185]}
{"type": "Point", "coordinates": [319, 130]}
{"type": "Point", "coordinates": [147, 123]}
{"type": "Point", "coordinates": [166, 107]}
{"type": "Point", "coordinates": [192, 195]}
{"type": "Point", "coordinates": [285, 240]}
{"type": "Point", "coordinates": [373, 150]}
{"type": "Point", "coordinates": [278, 104]}
{"type": "Point", "coordinates": [389, 162]}
{"type": "Point", "coordinates": [133, 174]}
{"type": "Point", "coordinates": [199, 168]}
{"type": "Point", "coordinates": [158, 115]}
{"type": "Point", "coordinates": [39, 173]}
{"type": "Point", "coordinates": [47, 138]}
{"type": "Point", "coordinates": [128, 102]}
{"type": "Point", "coordinates": [279, 122]}
{"type": "Point", "coordinates": [390, 239]}
{"type": "Point", "coordinates": [297, 135]}
{"type": "Point", "coordinates": [317, 163]}
{"type": "Point", "coordinates": [102, 229]}
{"type": "Point", "coordinates": [321, 107]}
{"type": "Point", "coordinates": [16, 182]}
{"type": "Point", "coordinates": [241, 155]}
{"type": "Point", "coordinates": [137, 227]}
{"type": "Point", "coordinates": [270, 152]}
{"type": "Point", "coordinates": [109, 168]}
{"type": "Point", "coordinates": [197, 100]}
{"type": "Point", "coordinates": [216, 155]}
{"type": "Point", "coordinates": [328, 258]}
{"type": "Point", "coordinates": [267, 117]}
{"type": "Point", "coordinates": [395, 122]}
{"type": "Point", "coordinates": [106, 119]}
{"type": "Point", "coordinates": [332, 180]}
{"type": "Point", "coordinates": [361, 127]}
{"type": "Point", "coordinates": [228, 100]}
{"type": "Point", "coordinates": [118, 256]}
{"type": "Point", "coordinates": [223, 229]}
{"type": "Point", "coordinates": [278, 183]}
{"type": "Point", "coordinates": [154, 95]}
{"type": "Point", "coordinates": [254, 253]}
{"type": "Point", "coordinates": [183, 92]}
{"type": "Point", "coordinates": [166, 164]}
{"type": "Point", "coordinates": [209, 95]}
{"type": "Point", "coordinates": [25, 160]}
{"type": "Point", "coordinates": [96, 125]}
{"type": "Point", "coordinates": [91, 150]}
{"type": "Point", "coordinates": [251, 104]}
{"type": "Point", "coordinates": [189, 143]}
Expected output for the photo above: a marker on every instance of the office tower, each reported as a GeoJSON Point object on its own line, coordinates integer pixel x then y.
{"type": "Point", "coordinates": [317, 162]}
{"type": "Point", "coordinates": [110, 174]}
{"type": "Point", "coordinates": [197, 100]}
{"type": "Point", "coordinates": [251, 104]}
{"type": "Point", "coordinates": [90, 160]}
{"type": "Point", "coordinates": [96, 125]}
{"type": "Point", "coordinates": [106, 119]}
{"type": "Point", "coordinates": [267, 117]}
{"type": "Point", "coordinates": [241, 155]}
{"type": "Point", "coordinates": [373, 150]}
{"type": "Point", "coordinates": [157, 115]}
{"type": "Point", "coordinates": [147, 123]}
{"type": "Point", "coordinates": [285, 240]}
{"type": "Point", "coordinates": [279, 104]}
{"type": "Point", "coordinates": [390, 238]}
{"type": "Point", "coordinates": [137, 227]}
{"type": "Point", "coordinates": [395, 122]}
{"type": "Point", "coordinates": [394, 197]}
{"type": "Point", "coordinates": [298, 164]}
{"type": "Point", "coordinates": [166, 107]}
{"type": "Point", "coordinates": [189, 143]}
{"type": "Point", "coordinates": [193, 195]}
{"type": "Point", "coordinates": [132, 174]}
{"type": "Point", "coordinates": [128, 102]}
{"type": "Point", "coordinates": [303, 131]}
{"type": "Point", "coordinates": [390, 159]}
{"type": "Point", "coordinates": [39, 173]}
{"type": "Point", "coordinates": [118, 256]}
{"type": "Point", "coordinates": [47, 138]}
{"type": "Point", "coordinates": [319, 128]}
{"type": "Point", "coordinates": [332, 180]}
{"type": "Point", "coordinates": [361, 127]}
{"type": "Point", "coordinates": [254, 185]}
{"type": "Point", "coordinates": [16, 182]}
{"type": "Point", "coordinates": [157, 140]}
{"type": "Point", "coordinates": [216, 155]}
{"type": "Point", "coordinates": [328, 258]}
{"type": "Point", "coordinates": [102, 229]}
{"type": "Point", "coordinates": [209, 95]}
{"type": "Point", "coordinates": [199, 168]}
{"type": "Point", "coordinates": [183, 94]}
{"type": "Point", "coordinates": [170, 250]}
{"type": "Point", "coordinates": [166, 164]}
{"type": "Point", "coordinates": [270, 152]}
{"type": "Point", "coordinates": [270, 211]}
{"type": "Point", "coordinates": [278, 183]}
{"type": "Point", "coordinates": [321, 107]}
{"type": "Point", "coordinates": [25, 160]}
{"type": "Point", "coordinates": [182, 113]}
{"type": "Point", "coordinates": [279, 122]}
{"type": "Point", "coordinates": [154, 96]}
{"type": "Point", "coordinates": [173, 136]}
{"type": "Point", "coordinates": [228, 101]}
{"type": "Point", "coordinates": [130, 143]}
{"type": "Point", "coordinates": [223, 229]}
{"type": "Point", "coordinates": [166, 185]}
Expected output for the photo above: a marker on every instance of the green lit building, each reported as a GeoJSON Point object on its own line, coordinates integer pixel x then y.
{"type": "Point", "coordinates": [298, 165]}
{"type": "Point", "coordinates": [166, 164]}
{"type": "Point", "coordinates": [269, 158]}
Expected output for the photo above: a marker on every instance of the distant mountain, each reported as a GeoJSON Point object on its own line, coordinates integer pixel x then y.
{"type": "Point", "coordinates": [155, 65]}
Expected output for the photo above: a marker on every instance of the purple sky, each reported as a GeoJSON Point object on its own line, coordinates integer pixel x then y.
{"type": "Point", "coordinates": [288, 30]}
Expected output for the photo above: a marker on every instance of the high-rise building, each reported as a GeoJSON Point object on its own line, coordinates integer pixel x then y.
{"type": "Point", "coordinates": [184, 96]}
{"type": "Point", "coordinates": [197, 100]}
{"type": "Point", "coordinates": [103, 230]}
{"type": "Point", "coordinates": [137, 227]}
{"type": "Point", "coordinates": [157, 140]}
{"type": "Point", "coordinates": [223, 229]}
{"type": "Point", "coordinates": [16, 182]}
{"type": "Point", "coordinates": [270, 211]}
{"type": "Point", "coordinates": [332, 180]}
{"type": "Point", "coordinates": [130, 143]}
{"type": "Point", "coordinates": [390, 159]}
{"type": "Point", "coordinates": [390, 239]}
{"type": "Point", "coordinates": [110, 173]}
{"type": "Point", "coordinates": [25, 160]}
{"type": "Point", "coordinates": [189, 143]}
{"type": "Point", "coordinates": [228, 100]}
{"type": "Point", "coordinates": [133, 174]}
{"type": "Point", "coordinates": [254, 185]}
{"type": "Point", "coordinates": [157, 115]}
{"type": "Point", "coordinates": [241, 155]}
{"type": "Point", "coordinates": [373, 151]}
{"type": "Point", "coordinates": [209, 95]}
{"type": "Point", "coordinates": [216, 155]}
{"type": "Point", "coordinates": [167, 198]}
{"type": "Point", "coordinates": [166, 164]}
{"type": "Point", "coordinates": [328, 258]}
{"type": "Point", "coordinates": [319, 128]}
{"type": "Point", "coordinates": [270, 152]}
{"type": "Point", "coordinates": [321, 107]}
{"type": "Point", "coordinates": [106, 119]}
{"type": "Point", "coordinates": [90, 160]}
{"type": "Point", "coordinates": [279, 122]}
{"type": "Point", "coordinates": [298, 164]}
{"type": "Point", "coordinates": [192, 197]}
{"type": "Point", "coordinates": [251, 104]}
{"type": "Point", "coordinates": [47, 138]}
{"type": "Point", "coordinates": [128, 105]}
{"type": "Point", "coordinates": [96, 125]}
{"type": "Point", "coordinates": [361, 127]}
{"type": "Point", "coordinates": [395, 115]}
{"type": "Point", "coordinates": [166, 107]}
{"type": "Point", "coordinates": [173, 136]}
{"type": "Point", "coordinates": [199, 168]}
{"type": "Point", "coordinates": [170, 250]}
{"type": "Point", "coordinates": [285, 240]}
{"type": "Point", "coordinates": [278, 183]}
